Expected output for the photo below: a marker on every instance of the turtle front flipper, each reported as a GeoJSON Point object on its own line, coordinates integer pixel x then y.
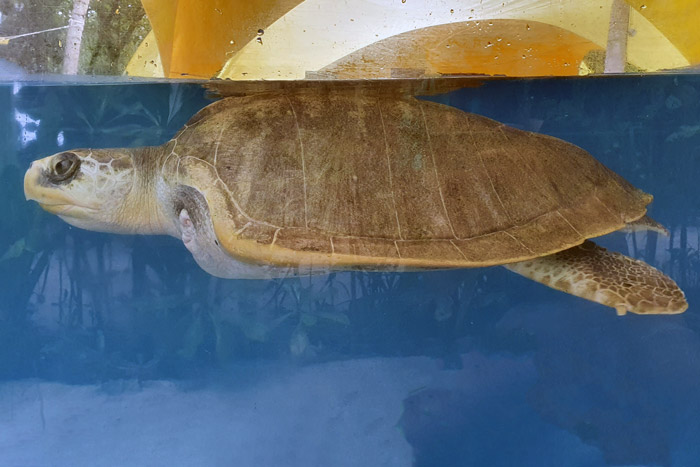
{"type": "Point", "coordinates": [594, 273]}
{"type": "Point", "coordinates": [196, 230]}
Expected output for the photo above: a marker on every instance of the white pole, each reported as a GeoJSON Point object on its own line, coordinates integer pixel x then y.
{"type": "Point", "coordinates": [616, 53]}
{"type": "Point", "coordinates": [76, 24]}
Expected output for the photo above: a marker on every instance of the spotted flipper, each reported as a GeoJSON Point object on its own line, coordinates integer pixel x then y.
{"type": "Point", "coordinates": [594, 273]}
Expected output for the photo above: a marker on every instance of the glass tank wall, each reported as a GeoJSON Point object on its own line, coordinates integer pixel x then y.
{"type": "Point", "coordinates": [120, 350]}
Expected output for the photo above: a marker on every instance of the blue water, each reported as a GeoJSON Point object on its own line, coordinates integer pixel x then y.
{"type": "Point", "coordinates": [118, 350]}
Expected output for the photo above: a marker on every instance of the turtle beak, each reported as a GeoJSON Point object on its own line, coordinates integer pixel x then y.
{"type": "Point", "coordinates": [31, 181]}
{"type": "Point", "coordinates": [37, 187]}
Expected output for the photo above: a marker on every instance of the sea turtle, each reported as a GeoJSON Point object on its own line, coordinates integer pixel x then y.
{"type": "Point", "coordinates": [258, 185]}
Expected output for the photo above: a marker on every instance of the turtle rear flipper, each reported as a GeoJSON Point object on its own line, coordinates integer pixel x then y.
{"type": "Point", "coordinates": [612, 279]}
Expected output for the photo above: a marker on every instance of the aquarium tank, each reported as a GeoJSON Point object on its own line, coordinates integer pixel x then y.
{"type": "Point", "coordinates": [276, 268]}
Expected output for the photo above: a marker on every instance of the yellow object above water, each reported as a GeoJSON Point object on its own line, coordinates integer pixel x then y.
{"type": "Point", "coordinates": [295, 39]}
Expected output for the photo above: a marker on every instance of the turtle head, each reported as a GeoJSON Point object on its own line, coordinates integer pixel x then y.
{"type": "Point", "coordinates": [86, 188]}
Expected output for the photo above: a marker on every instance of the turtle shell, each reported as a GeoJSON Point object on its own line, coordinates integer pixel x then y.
{"type": "Point", "coordinates": [357, 178]}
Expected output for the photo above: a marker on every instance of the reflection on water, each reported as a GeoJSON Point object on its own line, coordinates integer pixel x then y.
{"type": "Point", "coordinates": [476, 367]}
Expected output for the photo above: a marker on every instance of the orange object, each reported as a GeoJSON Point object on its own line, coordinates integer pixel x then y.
{"type": "Point", "coordinates": [678, 20]}
{"type": "Point", "coordinates": [196, 37]}
{"type": "Point", "coordinates": [294, 39]}
{"type": "Point", "coordinates": [498, 47]}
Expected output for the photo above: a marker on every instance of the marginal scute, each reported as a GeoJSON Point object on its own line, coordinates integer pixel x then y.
{"type": "Point", "coordinates": [528, 233]}
{"type": "Point", "coordinates": [443, 251]}
{"type": "Point", "coordinates": [297, 239]}
{"type": "Point", "coordinates": [261, 233]}
{"type": "Point", "coordinates": [357, 246]}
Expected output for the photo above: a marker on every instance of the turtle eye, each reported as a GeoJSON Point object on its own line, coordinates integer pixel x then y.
{"type": "Point", "coordinates": [65, 166]}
